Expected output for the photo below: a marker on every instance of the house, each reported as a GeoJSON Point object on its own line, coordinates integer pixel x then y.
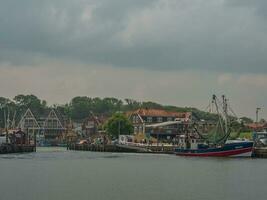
{"type": "Point", "coordinates": [92, 125]}
{"type": "Point", "coordinates": [50, 127]}
{"type": "Point", "coordinates": [142, 118]}
{"type": "Point", "coordinates": [257, 126]}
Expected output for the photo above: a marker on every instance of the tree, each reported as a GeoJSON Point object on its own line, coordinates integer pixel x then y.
{"type": "Point", "coordinates": [151, 105]}
{"type": "Point", "coordinates": [246, 120]}
{"type": "Point", "coordinates": [23, 102]}
{"type": "Point", "coordinates": [262, 121]}
{"type": "Point", "coordinates": [3, 110]}
{"type": "Point", "coordinates": [118, 124]}
{"type": "Point", "coordinates": [131, 104]}
{"type": "Point", "coordinates": [80, 107]}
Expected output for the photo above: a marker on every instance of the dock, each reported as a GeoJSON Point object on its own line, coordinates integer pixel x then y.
{"type": "Point", "coordinates": [260, 152]}
{"type": "Point", "coordinates": [13, 148]}
{"type": "Point", "coordinates": [122, 148]}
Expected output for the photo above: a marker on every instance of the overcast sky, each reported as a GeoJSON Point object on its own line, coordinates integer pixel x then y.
{"type": "Point", "coordinates": [175, 52]}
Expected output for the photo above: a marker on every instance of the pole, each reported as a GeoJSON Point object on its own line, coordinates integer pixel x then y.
{"type": "Point", "coordinates": [6, 135]}
{"type": "Point", "coordinates": [6, 127]}
{"type": "Point", "coordinates": [157, 139]}
{"type": "Point", "coordinates": [119, 127]}
{"type": "Point", "coordinates": [257, 114]}
{"type": "Point", "coordinates": [27, 136]}
{"type": "Point", "coordinates": [34, 141]}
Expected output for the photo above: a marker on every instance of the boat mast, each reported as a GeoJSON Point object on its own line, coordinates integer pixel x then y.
{"type": "Point", "coordinates": [214, 98]}
{"type": "Point", "coordinates": [225, 112]}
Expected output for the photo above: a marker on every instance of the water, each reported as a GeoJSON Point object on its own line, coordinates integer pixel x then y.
{"type": "Point", "coordinates": [55, 174]}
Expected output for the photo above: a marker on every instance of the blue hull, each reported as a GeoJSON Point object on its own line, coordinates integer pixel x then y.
{"type": "Point", "coordinates": [229, 149]}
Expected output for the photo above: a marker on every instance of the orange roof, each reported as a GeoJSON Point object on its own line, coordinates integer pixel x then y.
{"type": "Point", "coordinates": [161, 113]}
{"type": "Point", "coordinates": [256, 125]}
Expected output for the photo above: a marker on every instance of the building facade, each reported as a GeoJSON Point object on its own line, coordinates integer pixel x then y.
{"type": "Point", "coordinates": [143, 118]}
{"type": "Point", "coordinates": [49, 128]}
{"type": "Point", "coordinates": [92, 125]}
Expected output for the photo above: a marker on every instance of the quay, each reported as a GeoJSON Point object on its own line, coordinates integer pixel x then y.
{"type": "Point", "coordinates": [17, 142]}
{"type": "Point", "coordinates": [122, 148]}
{"type": "Point", "coordinates": [13, 148]}
{"type": "Point", "coordinates": [260, 152]}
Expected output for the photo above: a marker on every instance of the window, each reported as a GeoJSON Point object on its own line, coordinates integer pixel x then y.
{"type": "Point", "coordinates": [159, 119]}
{"type": "Point", "coordinates": [169, 119]}
{"type": "Point", "coordinates": [136, 129]}
{"type": "Point", "coordinates": [169, 131]}
{"type": "Point", "coordinates": [149, 119]}
{"type": "Point", "coordinates": [133, 118]}
{"type": "Point", "coordinates": [140, 129]}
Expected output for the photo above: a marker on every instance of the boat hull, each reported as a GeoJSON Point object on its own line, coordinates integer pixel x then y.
{"type": "Point", "coordinates": [237, 149]}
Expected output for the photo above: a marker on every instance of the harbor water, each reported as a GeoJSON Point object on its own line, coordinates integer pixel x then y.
{"type": "Point", "coordinates": [55, 174]}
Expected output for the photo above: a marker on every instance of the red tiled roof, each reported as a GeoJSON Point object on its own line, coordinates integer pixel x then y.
{"type": "Point", "coordinates": [256, 125]}
{"type": "Point", "coordinates": [161, 113]}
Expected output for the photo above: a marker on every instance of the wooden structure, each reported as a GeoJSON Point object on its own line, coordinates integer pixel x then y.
{"type": "Point", "coordinates": [53, 128]}
{"type": "Point", "coordinates": [144, 117]}
{"type": "Point", "coordinates": [12, 148]}
{"type": "Point", "coordinates": [29, 124]}
{"type": "Point", "coordinates": [122, 148]}
{"type": "Point", "coordinates": [49, 128]}
{"type": "Point", "coordinates": [91, 126]}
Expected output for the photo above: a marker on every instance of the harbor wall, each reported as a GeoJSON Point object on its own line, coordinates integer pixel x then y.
{"type": "Point", "coordinates": [121, 148]}
{"type": "Point", "coordinates": [12, 148]}
{"type": "Point", "coordinates": [258, 152]}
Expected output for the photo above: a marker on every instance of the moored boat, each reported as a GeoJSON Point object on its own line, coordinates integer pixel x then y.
{"type": "Point", "coordinates": [215, 143]}
{"type": "Point", "coordinates": [233, 149]}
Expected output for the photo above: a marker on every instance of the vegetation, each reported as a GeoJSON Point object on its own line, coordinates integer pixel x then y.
{"type": "Point", "coordinates": [80, 107]}
{"type": "Point", "coordinates": [14, 109]}
{"type": "Point", "coordinates": [246, 120]}
{"type": "Point", "coordinates": [118, 124]}
{"type": "Point", "coordinates": [243, 135]}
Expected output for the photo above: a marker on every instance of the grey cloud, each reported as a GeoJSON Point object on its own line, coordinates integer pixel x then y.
{"type": "Point", "coordinates": [227, 35]}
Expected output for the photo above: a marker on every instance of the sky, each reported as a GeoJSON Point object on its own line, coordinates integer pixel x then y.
{"type": "Point", "coordinates": [176, 52]}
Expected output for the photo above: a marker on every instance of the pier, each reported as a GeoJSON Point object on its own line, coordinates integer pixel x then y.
{"type": "Point", "coordinates": [12, 148]}
{"type": "Point", "coordinates": [260, 152]}
{"type": "Point", "coordinates": [122, 148]}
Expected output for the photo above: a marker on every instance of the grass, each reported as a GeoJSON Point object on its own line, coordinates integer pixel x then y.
{"type": "Point", "coordinates": [243, 135]}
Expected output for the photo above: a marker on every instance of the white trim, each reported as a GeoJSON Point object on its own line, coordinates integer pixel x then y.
{"type": "Point", "coordinates": [55, 118]}
{"type": "Point", "coordinates": [20, 125]}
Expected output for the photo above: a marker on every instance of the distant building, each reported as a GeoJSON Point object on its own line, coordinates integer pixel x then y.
{"type": "Point", "coordinates": [29, 123]}
{"type": "Point", "coordinates": [257, 126]}
{"type": "Point", "coordinates": [92, 124]}
{"type": "Point", "coordinates": [143, 117]}
{"type": "Point", "coordinates": [50, 127]}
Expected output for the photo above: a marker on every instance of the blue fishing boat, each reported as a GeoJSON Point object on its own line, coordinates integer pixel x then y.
{"type": "Point", "coordinates": [215, 143]}
{"type": "Point", "coordinates": [233, 149]}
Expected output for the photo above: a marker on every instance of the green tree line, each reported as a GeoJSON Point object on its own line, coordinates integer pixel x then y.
{"type": "Point", "coordinates": [80, 107]}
